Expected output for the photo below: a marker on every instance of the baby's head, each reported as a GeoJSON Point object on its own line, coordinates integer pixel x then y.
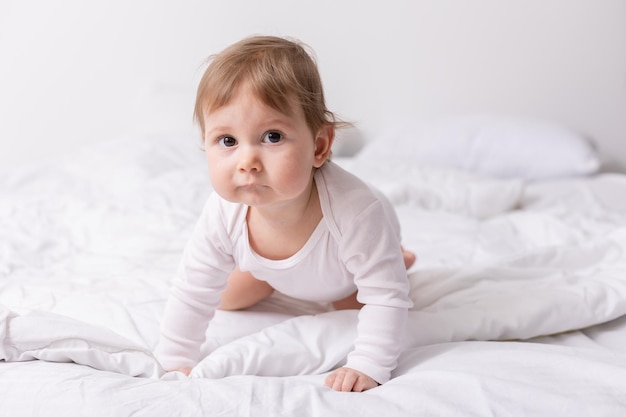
{"type": "Point", "coordinates": [279, 71]}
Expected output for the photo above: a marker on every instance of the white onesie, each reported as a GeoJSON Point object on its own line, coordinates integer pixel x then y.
{"type": "Point", "coordinates": [356, 246]}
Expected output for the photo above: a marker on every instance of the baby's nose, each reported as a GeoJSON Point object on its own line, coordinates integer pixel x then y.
{"type": "Point", "coordinates": [249, 160]}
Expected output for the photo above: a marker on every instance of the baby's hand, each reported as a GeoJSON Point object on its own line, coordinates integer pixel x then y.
{"type": "Point", "coordinates": [346, 379]}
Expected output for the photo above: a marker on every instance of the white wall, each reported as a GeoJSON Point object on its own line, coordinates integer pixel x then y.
{"type": "Point", "coordinates": [74, 71]}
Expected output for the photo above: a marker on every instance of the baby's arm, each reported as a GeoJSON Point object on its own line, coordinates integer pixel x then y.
{"type": "Point", "coordinates": [190, 307]}
{"type": "Point", "coordinates": [196, 292]}
{"type": "Point", "coordinates": [372, 252]}
{"type": "Point", "coordinates": [347, 379]}
{"type": "Point", "coordinates": [380, 336]}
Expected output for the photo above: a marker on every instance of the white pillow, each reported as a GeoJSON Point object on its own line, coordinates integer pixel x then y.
{"type": "Point", "coordinates": [432, 188]}
{"type": "Point", "coordinates": [489, 145]}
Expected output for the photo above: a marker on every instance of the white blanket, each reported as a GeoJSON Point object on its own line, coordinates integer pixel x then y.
{"type": "Point", "coordinates": [553, 291]}
{"type": "Point", "coordinates": [88, 247]}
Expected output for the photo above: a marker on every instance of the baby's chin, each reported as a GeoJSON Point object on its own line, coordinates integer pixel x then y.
{"type": "Point", "coordinates": [250, 195]}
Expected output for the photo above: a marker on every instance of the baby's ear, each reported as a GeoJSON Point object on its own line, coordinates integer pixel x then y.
{"type": "Point", "coordinates": [323, 144]}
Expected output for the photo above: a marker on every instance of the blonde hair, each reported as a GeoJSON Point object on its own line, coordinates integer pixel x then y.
{"type": "Point", "coordinates": [278, 70]}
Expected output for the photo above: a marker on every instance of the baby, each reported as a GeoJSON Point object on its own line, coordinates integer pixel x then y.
{"type": "Point", "coordinates": [283, 216]}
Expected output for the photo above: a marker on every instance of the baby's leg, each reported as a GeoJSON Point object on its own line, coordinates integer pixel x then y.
{"type": "Point", "coordinates": [409, 258]}
{"type": "Point", "coordinates": [348, 303]}
{"type": "Point", "coordinates": [351, 303]}
{"type": "Point", "coordinates": [243, 291]}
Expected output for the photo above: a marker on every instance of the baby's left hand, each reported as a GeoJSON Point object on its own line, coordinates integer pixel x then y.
{"type": "Point", "coordinates": [347, 379]}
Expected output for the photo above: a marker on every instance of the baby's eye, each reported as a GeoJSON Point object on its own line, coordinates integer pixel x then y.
{"type": "Point", "coordinates": [227, 141]}
{"type": "Point", "coordinates": [272, 137]}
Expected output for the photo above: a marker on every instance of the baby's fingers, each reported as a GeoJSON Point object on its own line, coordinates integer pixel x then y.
{"type": "Point", "coordinates": [361, 384]}
{"type": "Point", "coordinates": [336, 380]}
{"type": "Point", "coordinates": [346, 380]}
{"type": "Point", "coordinates": [332, 379]}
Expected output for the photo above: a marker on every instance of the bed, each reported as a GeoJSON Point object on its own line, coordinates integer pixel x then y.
{"type": "Point", "coordinates": [519, 287]}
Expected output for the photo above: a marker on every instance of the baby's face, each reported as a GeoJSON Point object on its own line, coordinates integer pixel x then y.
{"type": "Point", "coordinates": [259, 156]}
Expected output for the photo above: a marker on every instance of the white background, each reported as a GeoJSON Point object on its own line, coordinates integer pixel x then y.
{"type": "Point", "coordinates": [74, 72]}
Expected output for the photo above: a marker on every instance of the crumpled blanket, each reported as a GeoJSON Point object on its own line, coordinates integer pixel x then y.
{"type": "Point", "coordinates": [553, 290]}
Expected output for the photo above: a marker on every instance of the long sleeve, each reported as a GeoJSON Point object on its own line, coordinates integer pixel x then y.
{"type": "Point", "coordinates": [196, 291]}
{"type": "Point", "coordinates": [381, 331]}
{"type": "Point", "coordinates": [380, 276]}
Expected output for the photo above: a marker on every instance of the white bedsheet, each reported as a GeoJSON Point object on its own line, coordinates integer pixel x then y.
{"type": "Point", "coordinates": [519, 290]}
